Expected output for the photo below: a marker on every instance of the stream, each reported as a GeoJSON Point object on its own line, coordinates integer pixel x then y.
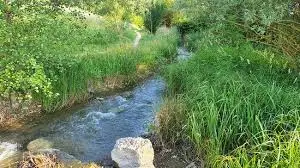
{"type": "Point", "coordinates": [89, 132]}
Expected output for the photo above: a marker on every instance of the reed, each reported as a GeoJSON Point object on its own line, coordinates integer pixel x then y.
{"type": "Point", "coordinates": [241, 107]}
{"type": "Point", "coordinates": [117, 59]}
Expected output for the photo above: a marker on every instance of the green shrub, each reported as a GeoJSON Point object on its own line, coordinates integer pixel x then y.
{"type": "Point", "coordinates": [22, 79]}
{"type": "Point", "coordinates": [137, 20]}
{"type": "Point", "coordinates": [56, 54]}
{"type": "Point", "coordinates": [154, 17]}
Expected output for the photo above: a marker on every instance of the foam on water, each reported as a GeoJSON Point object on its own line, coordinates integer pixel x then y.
{"type": "Point", "coordinates": [89, 133]}
{"type": "Point", "coordinates": [100, 115]}
{"type": "Point", "coordinates": [183, 54]}
{"type": "Point", "coordinates": [7, 150]}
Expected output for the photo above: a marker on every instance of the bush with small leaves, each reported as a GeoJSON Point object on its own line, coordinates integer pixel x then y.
{"type": "Point", "coordinates": [23, 79]}
{"type": "Point", "coordinates": [154, 17]}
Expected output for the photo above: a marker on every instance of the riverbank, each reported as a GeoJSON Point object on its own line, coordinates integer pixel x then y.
{"type": "Point", "coordinates": [37, 127]}
{"type": "Point", "coordinates": [95, 67]}
{"type": "Point", "coordinates": [237, 105]}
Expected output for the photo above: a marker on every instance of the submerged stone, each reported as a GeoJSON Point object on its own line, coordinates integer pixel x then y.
{"type": "Point", "coordinates": [99, 98]}
{"type": "Point", "coordinates": [133, 153]}
{"type": "Point", "coordinates": [39, 144]}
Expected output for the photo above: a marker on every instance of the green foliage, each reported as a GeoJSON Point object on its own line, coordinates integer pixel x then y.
{"type": "Point", "coordinates": [250, 12]}
{"type": "Point", "coordinates": [117, 10]}
{"type": "Point", "coordinates": [22, 79]}
{"type": "Point", "coordinates": [241, 107]}
{"type": "Point", "coordinates": [154, 17]}
{"type": "Point", "coordinates": [271, 23]}
{"type": "Point", "coordinates": [50, 56]}
{"type": "Point", "coordinates": [137, 20]}
{"type": "Point", "coordinates": [237, 99]}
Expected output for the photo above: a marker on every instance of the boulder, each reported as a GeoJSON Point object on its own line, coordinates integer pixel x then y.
{"type": "Point", "coordinates": [191, 165]}
{"type": "Point", "coordinates": [39, 144]}
{"type": "Point", "coordinates": [133, 153]}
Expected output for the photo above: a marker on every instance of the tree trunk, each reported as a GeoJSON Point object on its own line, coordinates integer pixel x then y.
{"type": "Point", "coordinates": [8, 15]}
{"type": "Point", "coordinates": [55, 4]}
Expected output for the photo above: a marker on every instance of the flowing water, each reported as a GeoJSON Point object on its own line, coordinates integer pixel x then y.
{"type": "Point", "coordinates": [90, 132]}
{"type": "Point", "coordinates": [183, 54]}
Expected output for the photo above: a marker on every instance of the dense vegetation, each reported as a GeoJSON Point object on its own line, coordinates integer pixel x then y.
{"type": "Point", "coordinates": [54, 54]}
{"type": "Point", "coordinates": [237, 99]}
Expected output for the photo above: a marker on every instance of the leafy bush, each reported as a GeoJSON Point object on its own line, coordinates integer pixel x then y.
{"type": "Point", "coordinates": [22, 79]}
{"type": "Point", "coordinates": [154, 17]}
{"type": "Point", "coordinates": [137, 20]}
{"type": "Point", "coordinates": [271, 23]}
{"type": "Point", "coordinates": [53, 53]}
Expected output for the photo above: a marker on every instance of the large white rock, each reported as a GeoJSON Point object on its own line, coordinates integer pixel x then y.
{"type": "Point", "coordinates": [133, 153]}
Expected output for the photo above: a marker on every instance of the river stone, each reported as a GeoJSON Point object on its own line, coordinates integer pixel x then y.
{"type": "Point", "coordinates": [133, 153]}
{"type": "Point", "coordinates": [39, 144]}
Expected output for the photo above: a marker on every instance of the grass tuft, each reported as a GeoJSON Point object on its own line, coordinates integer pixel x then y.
{"type": "Point", "coordinates": [241, 107]}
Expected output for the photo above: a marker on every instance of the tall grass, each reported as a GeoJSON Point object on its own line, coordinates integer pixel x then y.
{"type": "Point", "coordinates": [119, 59]}
{"type": "Point", "coordinates": [241, 107]}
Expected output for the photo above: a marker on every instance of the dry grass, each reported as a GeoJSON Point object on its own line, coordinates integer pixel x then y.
{"type": "Point", "coordinates": [172, 151]}
{"type": "Point", "coordinates": [5, 116]}
{"type": "Point", "coordinates": [39, 161]}
{"type": "Point", "coordinates": [171, 120]}
{"type": "Point", "coordinates": [283, 35]}
{"type": "Point", "coordinates": [49, 161]}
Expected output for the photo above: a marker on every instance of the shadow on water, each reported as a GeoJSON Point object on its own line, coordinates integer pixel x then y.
{"type": "Point", "coordinates": [90, 132]}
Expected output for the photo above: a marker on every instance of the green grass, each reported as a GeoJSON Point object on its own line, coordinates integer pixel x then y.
{"type": "Point", "coordinates": [116, 59]}
{"type": "Point", "coordinates": [239, 107]}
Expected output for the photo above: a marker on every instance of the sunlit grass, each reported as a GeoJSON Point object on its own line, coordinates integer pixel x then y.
{"type": "Point", "coordinates": [96, 62]}
{"type": "Point", "coordinates": [240, 108]}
